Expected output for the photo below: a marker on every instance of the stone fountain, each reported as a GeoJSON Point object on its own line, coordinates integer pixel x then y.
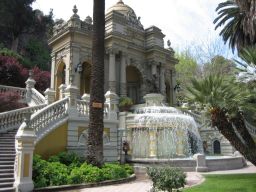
{"type": "Point", "coordinates": [156, 131]}
{"type": "Point", "coordinates": [164, 135]}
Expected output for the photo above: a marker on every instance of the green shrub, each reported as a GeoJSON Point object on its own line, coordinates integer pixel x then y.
{"type": "Point", "coordinates": [128, 168]}
{"type": "Point", "coordinates": [167, 178]}
{"type": "Point", "coordinates": [66, 158]}
{"type": "Point", "coordinates": [125, 101]}
{"type": "Point", "coordinates": [113, 171]}
{"type": "Point", "coordinates": [39, 173]}
{"type": "Point", "coordinates": [66, 168]}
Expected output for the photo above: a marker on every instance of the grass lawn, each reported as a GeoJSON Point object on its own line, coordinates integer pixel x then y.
{"type": "Point", "coordinates": [226, 183]}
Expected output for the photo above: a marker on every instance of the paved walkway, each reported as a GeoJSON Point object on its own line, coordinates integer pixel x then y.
{"type": "Point", "coordinates": [143, 184]}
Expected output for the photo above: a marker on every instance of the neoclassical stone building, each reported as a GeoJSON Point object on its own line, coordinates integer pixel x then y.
{"type": "Point", "coordinates": [135, 56]}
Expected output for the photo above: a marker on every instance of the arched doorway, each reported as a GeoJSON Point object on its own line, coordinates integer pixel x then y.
{"type": "Point", "coordinates": [133, 80]}
{"type": "Point", "coordinates": [216, 147]}
{"type": "Point", "coordinates": [85, 78]}
{"type": "Point", "coordinates": [60, 76]}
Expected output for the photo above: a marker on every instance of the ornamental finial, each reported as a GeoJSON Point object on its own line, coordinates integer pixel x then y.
{"type": "Point", "coordinates": [75, 10]}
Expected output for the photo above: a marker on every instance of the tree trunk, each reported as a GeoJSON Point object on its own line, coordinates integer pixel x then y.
{"type": "Point", "coordinates": [238, 121]}
{"type": "Point", "coordinates": [248, 8]}
{"type": "Point", "coordinates": [220, 120]}
{"type": "Point", "coordinates": [96, 125]}
{"type": "Point", "coordinates": [15, 43]}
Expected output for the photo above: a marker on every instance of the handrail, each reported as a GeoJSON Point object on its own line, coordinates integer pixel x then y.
{"type": "Point", "coordinates": [44, 118]}
{"type": "Point", "coordinates": [37, 97]}
{"type": "Point", "coordinates": [12, 119]}
{"type": "Point", "coordinates": [19, 90]}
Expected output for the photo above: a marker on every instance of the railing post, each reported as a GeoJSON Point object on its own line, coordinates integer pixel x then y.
{"type": "Point", "coordinates": [24, 143]}
{"type": "Point", "coordinates": [200, 163]}
{"type": "Point", "coordinates": [49, 96]}
{"type": "Point", "coordinates": [72, 93]}
{"type": "Point", "coordinates": [30, 83]}
{"type": "Point", "coordinates": [62, 88]}
{"type": "Point", "coordinates": [112, 100]}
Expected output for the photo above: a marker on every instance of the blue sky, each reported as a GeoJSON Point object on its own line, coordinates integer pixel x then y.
{"type": "Point", "coordinates": [184, 22]}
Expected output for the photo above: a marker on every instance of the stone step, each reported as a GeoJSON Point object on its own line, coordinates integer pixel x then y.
{"type": "Point", "coordinates": [6, 171]}
{"type": "Point", "coordinates": [7, 137]}
{"type": "Point", "coordinates": [7, 149]}
{"type": "Point", "coordinates": [6, 184]}
{"type": "Point", "coordinates": [6, 158]}
{"type": "Point", "coordinates": [6, 166]}
{"type": "Point", "coordinates": [6, 175]}
{"type": "Point", "coordinates": [7, 152]}
{"type": "Point", "coordinates": [8, 179]}
{"type": "Point", "coordinates": [6, 162]}
{"type": "Point", "coordinates": [11, 142]}
{"type": "Point", "coordinates": [7, 189]}
{"type": "Point", "coordinates": [8, 145]}
{"type": "Point", "coordinates": [7, 155]}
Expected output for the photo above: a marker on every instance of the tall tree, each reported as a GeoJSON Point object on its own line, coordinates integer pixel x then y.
{"type": "Point", "coordinates": [239, 20]}
{"type": "Point", "coordinates": [96, 125]}
{"type": "Point", "coordinates": [16, 16]}
{"type": "Point", "coordinates": [226, 101]}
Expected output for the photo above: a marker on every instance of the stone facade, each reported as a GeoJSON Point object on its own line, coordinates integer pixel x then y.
{"type": "Point", "coordinates": [136, 63]}
{"type": "Point", "coordinates": [135, 57]}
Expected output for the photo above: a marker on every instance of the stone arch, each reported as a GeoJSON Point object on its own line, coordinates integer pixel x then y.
{"type": "Point", "coordinates": [216, 147]}
{"type": "Point", "coordinates": [59, 77]}
{"type": "Point", "coordinates": [134, 81]}
{"type": "Point", "coordinates": [85, 78]}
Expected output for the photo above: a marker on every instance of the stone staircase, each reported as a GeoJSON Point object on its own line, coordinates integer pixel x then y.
{"type": "Point", "coordinates": [7, 157]}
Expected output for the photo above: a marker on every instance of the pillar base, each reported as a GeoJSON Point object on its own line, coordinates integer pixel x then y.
{"type": "Point", "coordinates": [24, 186]}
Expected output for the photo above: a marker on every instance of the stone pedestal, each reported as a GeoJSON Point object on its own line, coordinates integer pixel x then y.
{"type": "Point", "coordinates": [112, 101]}
{"type": "Point", "coordinates": [72, 93]}
{"type": "Point", "coordinates": [30, 84]}
{"type": "Point", "coordinates": [200, 163]}
{"type": "Point", "coordinates": [62, 88]}
{"type": "Point", "coordinates": [49, 96]}
{"type": "Point", "coordinates": [25, 139]}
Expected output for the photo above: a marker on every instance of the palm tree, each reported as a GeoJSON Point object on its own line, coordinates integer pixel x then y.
{"type": "Point", "coordinates": [239, 20]}
{"type": "Point", "coordinates": [248, 70]}
{"type": "Point", "coordinates": [226, 101]}
{"type": "Point", "coordinates": [96, 125]}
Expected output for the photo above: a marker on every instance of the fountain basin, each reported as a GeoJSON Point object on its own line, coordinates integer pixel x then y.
{"type": "Point", "coordinates": [213, 163]}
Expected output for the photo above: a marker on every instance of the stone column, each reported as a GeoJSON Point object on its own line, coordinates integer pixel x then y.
{"type": "Point", "coordinates": [162, 81]}
{"type": "Point", "coordinates": [123, 91]}
{"type": "Point", "coordinates": [152, 143]}
{"type": "Point", "coordinates": [112, 71]}
{"type": "Point", "coordinates": [53, 70]}
{"type": "Point", "coordinates": [25, 139]}
{"type": "Point", "coordinates": [153, 68]}
{"type": "Point", "coordinates": [173, 84]}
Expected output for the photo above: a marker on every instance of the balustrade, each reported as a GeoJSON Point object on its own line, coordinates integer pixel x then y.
{"type": "Point", "coordinates": [20, 91]}
{"type": "Point", "coordinates": [37, 97]}
{"type": "Point", "coordinates": [83, 108]}
{"type": "Point", "coordinates": [43, 119]}
{"type": "Point", "coordinates": [12, 119]}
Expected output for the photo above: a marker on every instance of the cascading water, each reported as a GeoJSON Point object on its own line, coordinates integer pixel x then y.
{"type": "Point", "coordinates": [163, 132]}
